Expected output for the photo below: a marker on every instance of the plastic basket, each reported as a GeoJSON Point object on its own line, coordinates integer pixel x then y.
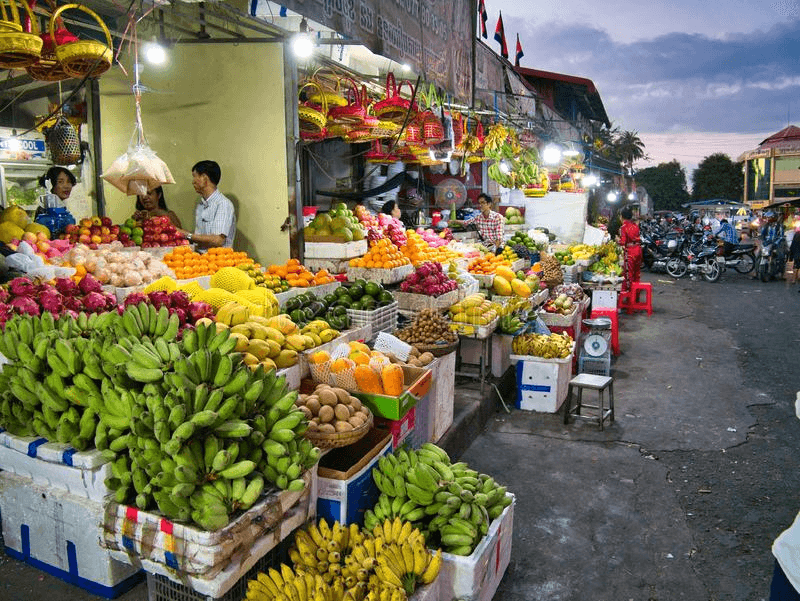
{"type": "Point", "coordinates": [383, 319]}
{"type": "Point", "coordinates": [599, 366]}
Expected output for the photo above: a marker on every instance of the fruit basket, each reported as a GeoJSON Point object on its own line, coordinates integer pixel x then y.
{"type": "Point", "coordinates": [437, 350]}
{"type": "Point", "coordinates": [339, 439]}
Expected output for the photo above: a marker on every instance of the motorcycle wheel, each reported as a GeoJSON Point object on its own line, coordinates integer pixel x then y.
{"type": "Point", "coordinates": [763, 271]}
{"type": "Point", "coordinates": [711, 270]}
{"type": "Point", "coordinates": [676, 268]}
{"type": "Point", "coordinates": [746, 263]}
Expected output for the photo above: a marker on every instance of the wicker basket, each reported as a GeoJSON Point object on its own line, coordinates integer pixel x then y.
{"type": "Point", "coordinates": [18, 49]}
{"type": "Point", "coordinates": [394, 107]}
{"type": "Point", "coordinates": [48, 68]}
{"type": "Point", "coordinates": [339, 439]}
{"type": "Point", "coordinates": [329, 94]}
{"type": "Point", "coordinates": [312, 119]}
{"type": "Point", "coordinates": [83, 57]}
{"type": "Point", "coordinates": [432, 130]}
{"type": "Point", "coordinates": [437, 350]}
{"type": "Point", "coordinates": [63, 141]}
{"type": "Point", "coordinates": [352, 113]}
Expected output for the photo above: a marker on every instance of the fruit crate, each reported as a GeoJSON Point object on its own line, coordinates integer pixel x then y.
{"type": "Point", "coordinates": [542, 383]}
{"type": "Point", "coordinates": [382, 319]}
{"type": "Point", "coordinates": [557, 319]}
{"type": "Point", "coordinates": [334, 266]}
{"type": "Point", "coordinates": [381, 276]}
{"type": "Point", "coordinates": [467, 289]}
{"type": "Point", "coordinates": [56, 465]}
{"type": "Point", "coordinates": [409, 301]}
{"type": "Point", "coordinates": [335, 250]}
{"type": "Point", "coordinates": [58, 533]}
{"type": "Point", "coordinates": [480, 332]}
{"type": "Point", "coordinates": [209, 560]}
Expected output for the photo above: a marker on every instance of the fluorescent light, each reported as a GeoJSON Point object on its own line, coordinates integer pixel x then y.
{"type": "Point", "coordinates": [302, 46]}
{"type": "Point", "coordinates": [405, 67]}
{"type": "Point", "coordinates": [155, 53]}
{"type": "Point", "coordinates": [551, 154]}
{"type": "Point", "coordinates": [612, 197]}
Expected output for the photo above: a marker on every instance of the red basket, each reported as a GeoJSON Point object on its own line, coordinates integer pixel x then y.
{"type": "Point", "coordinates": [379, 153]}
{"type": "Point", "coordinates": [413, 133]}
{"type": "Point", "coordinates": [394, 107]}
{"type": "Point", "coordinates": [458, 127]}
{"type": "Point", "coordinates": [352, 113]}
{"type": "Point", "coordinates": [432, 130]}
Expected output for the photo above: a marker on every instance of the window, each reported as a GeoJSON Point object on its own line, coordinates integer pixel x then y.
{"type": "Point", "coordinates": [758, 175]}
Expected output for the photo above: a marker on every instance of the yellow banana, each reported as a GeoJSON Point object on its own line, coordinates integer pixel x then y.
{"type": "Point", "coordinates": [432, 570]}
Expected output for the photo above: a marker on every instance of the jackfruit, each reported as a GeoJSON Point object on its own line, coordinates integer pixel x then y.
{"type": "Point", "coordinates": [232, 279]}
{"type": "Point", "coordinates": [9, 231]}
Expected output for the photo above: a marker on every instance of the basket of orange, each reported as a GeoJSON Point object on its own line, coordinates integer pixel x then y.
{"type": "Point", "coordinates": [187, 264]}
{"type": "Point", "coordinates": [298, 276]}
{"type": "Point", "coordinates": [383, 263]}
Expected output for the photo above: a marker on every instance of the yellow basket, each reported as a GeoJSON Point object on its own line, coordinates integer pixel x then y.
{"type": "Point", "coordinates": [311, 120]}
{"type": "Point", "coordinates": [18, 48]}
{"type": "Point", "coordinates": [83, 57]}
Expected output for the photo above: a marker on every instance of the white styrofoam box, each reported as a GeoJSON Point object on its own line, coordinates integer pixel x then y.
{"type": "Point", "coordinates": [423, 421]}
{"type": "Point", "coordinates": [442, 395]}
{"type": "Point", "coordinates": [411, 301]}
{"type": "Point", "coordinates": [294, 374]}
{"type": "Point", "coordinates": [244, 557]}
{"type": "Point", "coordinates": [335, 250]}
{"type": "Point", "coordinates": [430, 592]}
{"type": "Point", "coordinates": [382, 319]}
{"type": "Point", "coordinates": [604, 299]}
{"type": "Point", "coordinates": [148, 539]}
{"type": "Point", "coordinates": [542, 383]}
{"type": "Point", "coordinates": [382, 276]}
{"type": "Point", "coordinates": [83, 482]}
{"type": "Point", "coordinates": [335, 266]}
{"type": "Point", "coordinates": [476, 577]}
{"type": "Point", "coordinates": [501, 351]}
{"type": "Point", "coordinates": [470, 350]}
{"type": "Point", "coordinates": [59, 533]}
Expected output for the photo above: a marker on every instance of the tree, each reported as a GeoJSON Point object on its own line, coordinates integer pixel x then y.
{"type": "Point", "coordinates": [717, 176]}
{"type": "Point", "coordinates": [629, 148]}
{"type": "Point", "coordinates": [666, 185]}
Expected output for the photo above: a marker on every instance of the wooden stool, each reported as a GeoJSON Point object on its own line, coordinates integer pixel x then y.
{"type": "Point", "coordinates": [591, 382]}
{"type": "Point", "coordinates": [613, 316]}
{"type": "Point", "coordinates": [629, 300]}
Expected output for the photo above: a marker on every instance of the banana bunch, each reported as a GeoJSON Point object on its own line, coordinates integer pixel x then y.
{"type": "Point", "coordinates": [554, 346]}
{"type": "Point", "coordinates": [347, 563]}
{"type": "Point", "coordinates": [495, 140]}
{"type": "Point", "coordinates": [450, 503]}
{"type": "Point", "coordinates": [509, 324]}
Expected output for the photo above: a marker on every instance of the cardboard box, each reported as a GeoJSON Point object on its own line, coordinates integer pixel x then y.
{"type": "Point", "coordinates": [476, 577]}
{"type": "Point", "coordinates": [401, 429]}
{"type": "Point", "coordinates": [416, 384]}
{"type": "Point", "coordinates": [59, 533]}
{"type": "Point", "coordinates": [346, 488]}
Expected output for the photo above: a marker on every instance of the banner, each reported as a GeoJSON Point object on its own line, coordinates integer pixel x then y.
{"type": "Point", "coordinates": [434, 37]}
{"type": "Point", "coordinates": [489, 77]}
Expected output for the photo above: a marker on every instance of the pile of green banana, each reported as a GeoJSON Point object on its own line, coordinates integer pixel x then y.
{"type": "Point", "coordinates": [451, 504]}
{"type": "Point", "coordinates": [187, 426]}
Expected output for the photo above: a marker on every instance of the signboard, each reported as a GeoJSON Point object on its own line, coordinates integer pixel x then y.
{"type": "Point", "coordinates": [434, 37]}
{"type": "Point", "coordinates": [21, 149]}
{"type": "Point", "coordinates": [489, 77]}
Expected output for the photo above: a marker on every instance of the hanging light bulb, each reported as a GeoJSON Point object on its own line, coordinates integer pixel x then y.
{"type": "Point", "coordinates": [155, 53]}
{"type": "Point", "coordinates": [612, 197]}
{"type": "Point", "coordinates": [590, 180]}
{"type": "Point", "coordinates": [302, 45]}
{"type": "Point", "coordinates": [551, 154]}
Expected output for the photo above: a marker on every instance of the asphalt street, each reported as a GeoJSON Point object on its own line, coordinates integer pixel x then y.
{"type": "Point", "coordinates": [680, 498]}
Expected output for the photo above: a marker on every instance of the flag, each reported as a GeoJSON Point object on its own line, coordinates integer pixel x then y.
{"type": "Point", "coordinates": [500, 36]}
{"type": "Point", "coordinates": [484, 16]}
{"type": "Point", "coordinates": [282, 12]}
{"type": "Point", "coordinates": [519, 54]}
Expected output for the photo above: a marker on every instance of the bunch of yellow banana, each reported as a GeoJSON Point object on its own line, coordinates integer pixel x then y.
{"type": "Point", "coordinates": [320, 548]}
{"type": "Point", "coordinates": [288, 584]}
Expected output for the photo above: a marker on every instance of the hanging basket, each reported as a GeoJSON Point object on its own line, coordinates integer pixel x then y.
{"type": "Point", "coordinates": [432, 130]}
{"type": "Point", "coordinates": [394, 107]}
{"type": "Point", "coordinates": [330, 94]}
{"type": "Point", "coordinates": [48, 68]}
{"type": "Point", "coordinates": [63, 141]}
{"type": "Point", "coordinates": [18, 49]}
{"type": "Point", "coordinates": [458, 127]}
{"type": "Point", "coordinates": [312, 118]}
{"type": "Point", "coordinates": [379, 153]}
{"type": "Point", "coordinates": [351, 114]}
{"type": "Point", "coordinates": [80, 58]}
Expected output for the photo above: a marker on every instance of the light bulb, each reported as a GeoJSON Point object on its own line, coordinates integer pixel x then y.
{"type": "Point", "coordinates": [612, 197]}
{"type": "Point", "coordinates": [302, 46]}
{"type": "Point", "coordinates": [551, 154]}
{"type": "Point", "coordinates": [590, 180]}
{"type": "Point", "coordinates": [155, 53]}
{"type": "Point", "coordinates": [13, 144]}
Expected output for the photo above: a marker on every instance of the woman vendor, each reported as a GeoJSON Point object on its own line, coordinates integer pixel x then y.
{"type": "Point", "coordinates": [153, 204]}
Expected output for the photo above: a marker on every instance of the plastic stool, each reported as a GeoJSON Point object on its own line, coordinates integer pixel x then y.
{"type": "Point", "coordinates": [591, 382]}
{"type": "Point", "coordinates": [630, 300]}
{"type": "Point", "coordinates": [613, 316]}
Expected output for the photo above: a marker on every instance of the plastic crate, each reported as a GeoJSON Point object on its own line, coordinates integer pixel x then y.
{"type": "Point", "coordinates": [599, 366]}
{"type": "Point", "coordinates": [161, 588]}
{"type": "Point", "coordinates": [542, 383]}
{"type": "Point", "coordinates": [383, 319]}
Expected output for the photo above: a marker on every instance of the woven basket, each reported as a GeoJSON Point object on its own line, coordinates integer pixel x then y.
{"type": "Point", "coordinates": [352, 113]}
{"type": "Point", "coordinates": [312, 118]}
{"type": "Point", "coordinates": [18, 49]}
{"type": "Point", "coordinates": [437, 350]}
{"type": "Point", "coordinates": [458, 128]}
{"type": "Point", "coordinates": [339, 439]}
{"type": "Point", "coordinates": [394, 107]}
{"type": "Point", "coordinates": [331, 95]}
{"type": "Point", "coordinates": [378, 154]}
{"type": "Point", "coordinates": [82, 57]}
{"type": "Point", "coordinates": [413, 133]}
{"type": "Point", "coordinates": [63, 142]}
{"type": "Point", "coordinates": [48, 68]}
{"type": "Point", "coordinates": [432, 130]}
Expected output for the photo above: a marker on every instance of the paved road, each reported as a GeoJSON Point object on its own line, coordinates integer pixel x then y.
{"type": "Point", "coordinates": [682, 497]}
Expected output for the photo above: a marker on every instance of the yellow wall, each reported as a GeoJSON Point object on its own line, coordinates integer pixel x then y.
{"type": "Point", "coordinates": [224, 103]}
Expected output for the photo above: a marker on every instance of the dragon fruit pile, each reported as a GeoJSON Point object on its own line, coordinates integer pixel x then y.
{"type": "Point", "coordinates": [177, 302]}
{"type": "Point", "coordinates": [27, 297]}
{"type": "Point", "coordinates": [394, 229]}
{"type": "Point", "coordinates": [429, 279]}
{"type": "Point", "coordinates": [432, 238]}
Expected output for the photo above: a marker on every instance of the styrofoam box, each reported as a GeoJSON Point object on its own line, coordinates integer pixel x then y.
{"type": "Point", "coordinates": [423, 421]}
{"type": "Point", "coordinates": [335, 250]}
{"type": "Point", "coordinates": [335, 266]}
{"type": "Point", "coordinates": [542, 383]}
{"type": "Point", "coordinates": [149, 539]}
{"type": "Point", "coordinates": [442, 395]}
{"type": "Point", "coordinates": [55, 465]}
{"type": "Point", "coordinates": [59, 533]}
{"type": "Point", "coordinates": [244, 558]}
{"type": "Point", "coordinates": [476, 577]}
{"type": "Point", "coordinates": [604, 299]}
{"type": "Point", "coordinates": [501, 351]}
{"type": "Point", "coordinates": [400, 429]}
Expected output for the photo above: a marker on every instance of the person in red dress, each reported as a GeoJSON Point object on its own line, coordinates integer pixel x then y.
{"type": "Point", "coordinates": [630, 240]}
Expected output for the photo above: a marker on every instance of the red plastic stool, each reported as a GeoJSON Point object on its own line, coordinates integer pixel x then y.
{"type": "Point", "coordinates": [630, 300]}
{"type": "Point", "coordinates": [613, 316]}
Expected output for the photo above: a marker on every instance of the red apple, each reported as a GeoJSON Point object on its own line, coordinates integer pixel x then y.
{"type": "Point", "coordinates": [183, 242]}
{"type": "Point", "coordinates": [106, 221]}
{"type": "Point", "coordinates": [86, 222]}
{"type": "Point", "coordinates": [104, 231]}
{"type": "Point", "coordinates": [71, 229]}
{"type": "Point", "coordinates": [84, 231]}
{"type": "Point", "coordinates": [84, 238]}
{"type": "Point", "coordinates": [163, 238]}
{"type": "Point", "coordinates": [114, 230]}
{"type": "Point", "coordinates": [93, 246]}
{"type": "Point", "coordinates": [96, 220]}
{"type": "Point", "coordinates": [105, 239]}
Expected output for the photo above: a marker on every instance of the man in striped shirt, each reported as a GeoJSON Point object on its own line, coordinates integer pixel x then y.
{"type": "Point", "coordinates": [214, 217]}
{"type": "Point", "coordinates": [488, 222]}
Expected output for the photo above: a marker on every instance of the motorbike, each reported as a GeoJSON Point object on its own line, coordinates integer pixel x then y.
{"type": "Point", "coordinates": [772, 260]}
{"type": "Point", "coordinates": [741, 257]}
{"type": "Point", "coordinates": [697, 255]}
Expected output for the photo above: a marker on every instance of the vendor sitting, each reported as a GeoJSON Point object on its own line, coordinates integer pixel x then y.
{"type": "Point", "coordinates": [488, 222]}
{"type": "Point", "coordinates": [153, 204]}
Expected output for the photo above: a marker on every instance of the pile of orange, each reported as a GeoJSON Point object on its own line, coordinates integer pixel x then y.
{"type": "Point", "coordinates": [383, 254]}
{"type": "Point", "coordinates": [186, 263]}
{"type": "Point", "coordinates": [487, 264]}
{"type": "Point", "coordinates": [297, 276]}
{"type": "Point", "coordinates": [420, 251]}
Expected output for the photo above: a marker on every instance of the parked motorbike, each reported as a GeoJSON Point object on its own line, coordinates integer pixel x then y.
{"type": "Point", "coordinates": [772, 260]}
{"type": "Point", "coordinates": [697, 256]}
{"type": "Point", "coordinates": [741, 257]}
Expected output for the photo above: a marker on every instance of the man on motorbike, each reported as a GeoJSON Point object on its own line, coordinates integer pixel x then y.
{"type": "Point", "coordinates": [727, 235]}
{"type": "Point", "coordinates": [772, 234]}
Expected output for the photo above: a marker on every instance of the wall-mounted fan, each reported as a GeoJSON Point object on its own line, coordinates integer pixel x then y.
{"type": "Point", "coordinates": [448, 192]}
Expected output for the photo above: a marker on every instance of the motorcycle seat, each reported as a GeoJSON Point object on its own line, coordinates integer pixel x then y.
{"type": "Point", "coordinates": [746, 246]}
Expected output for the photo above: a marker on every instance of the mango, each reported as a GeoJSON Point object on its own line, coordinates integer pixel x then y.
{"type": "Point", "coordinates": [286, 358]}
{"type": "Point", "coordinates": [501, 286]}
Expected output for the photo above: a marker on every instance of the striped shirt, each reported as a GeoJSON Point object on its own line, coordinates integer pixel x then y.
{"type": "Point", "coordinates": [215, 215]}
{"type": "Point", "coordinates": [490, 227]}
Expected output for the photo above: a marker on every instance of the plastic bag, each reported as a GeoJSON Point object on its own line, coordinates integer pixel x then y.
{"type": "Point", "coordinates": [139, 169]}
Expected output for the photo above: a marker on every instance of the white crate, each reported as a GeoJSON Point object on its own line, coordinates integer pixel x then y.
{"type": "Point", "coordinates": [55, 465]}
{"type": "Point", "coordinates": [59, 533]}
{"type": "Point", "coordinates": [476, 577]}
{"type": "Point", "coordinates": [382, 276]}
{"type": "Point", "coordinates": [150, 540]}
{"type": "Point", "coordinates": [604, 299]}
{"type": "Point", "coordinates": [501, 353]}
{"type": "Point", "coordinates": [442, 392]}
{"type": "Point", "coordinates": [383, 319]}
{"type": "Point", "coordinates": [409, 301]}
{"type": "Point", "coordinates": [330, 265]}
{"type": "Point", "coordinates": [335, 250]}
{"type": "Point", "coordinates": [542, 383]}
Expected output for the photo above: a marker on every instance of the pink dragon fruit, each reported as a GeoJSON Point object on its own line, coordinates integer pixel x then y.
{"type": "Point", "coordinates": [159, 298]}
{"type": "Point", "coordinates": [179, 299]}
{"type": "Point", "coordinates": [198, 310]}
{"type": "Point", "coordinates": [181, 313]}
{"type": "Point", "coordinates": [67, 287]}
{"type": "Point", "coordinates": [89, 284]}
{"type": "Point", "coordinates": [25, 305]}
{"type": "Point", "coordinates": [94, 302]}
{"type": "Point", "coordinates": [135, 298]}
{"type": "Point", "coordinates": [73, 303]}
{"type": "Point", "coordinates": [22, 287]}
{"type": "Point", "coordinates": [51, 300]}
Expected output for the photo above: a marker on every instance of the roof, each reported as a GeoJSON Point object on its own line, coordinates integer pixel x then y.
{"type": "Point", "coordinates": [789, 134]}
{"type": "Point", "coordinates": [582, 90]}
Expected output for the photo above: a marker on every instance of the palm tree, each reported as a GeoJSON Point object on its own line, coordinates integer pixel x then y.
{"type": "Point", "coordinates": [629, 148]}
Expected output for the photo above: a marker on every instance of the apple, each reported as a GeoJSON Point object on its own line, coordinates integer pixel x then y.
{"type": "Point", "coordinates": [104, 230]}
{"type": "Point", "coordinates": [93, 246]}
{"type": "Point", "coordinates": [124, 237]}
{"type": "Point", "coordinates": [115, 229]}
{"type": "Point", "coordinates": [137, 231]}
{"type": "Point", "coordinates": [43, 246]}
{"type": "Point", "coordinates": [125, 230]}
{"type": "Point", "coordinates": [95, 230]}
{"type": "Point", "coordinates": [106, 221]}
{"type": "Point", "coordinates": [137, 240]}
{"type": "Point", "coordinates": [130, 222]}
{"type": "Point", "coordinates": [96, 220]}
{"type": "Point", "coordinates": [105, 239]}
{"type": "Point", "coordinates": [85, 222]}
{"type": "Point", "coordinates": [41, 236]}
{"type": "Point", "coordinates": [71, 229]}
{"type": "Point", "coordinates": [96, 239]}
{"type": "Point", "coordinates": [163, 238]}
{"type": "Point", "coordinates": [29, 237]}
